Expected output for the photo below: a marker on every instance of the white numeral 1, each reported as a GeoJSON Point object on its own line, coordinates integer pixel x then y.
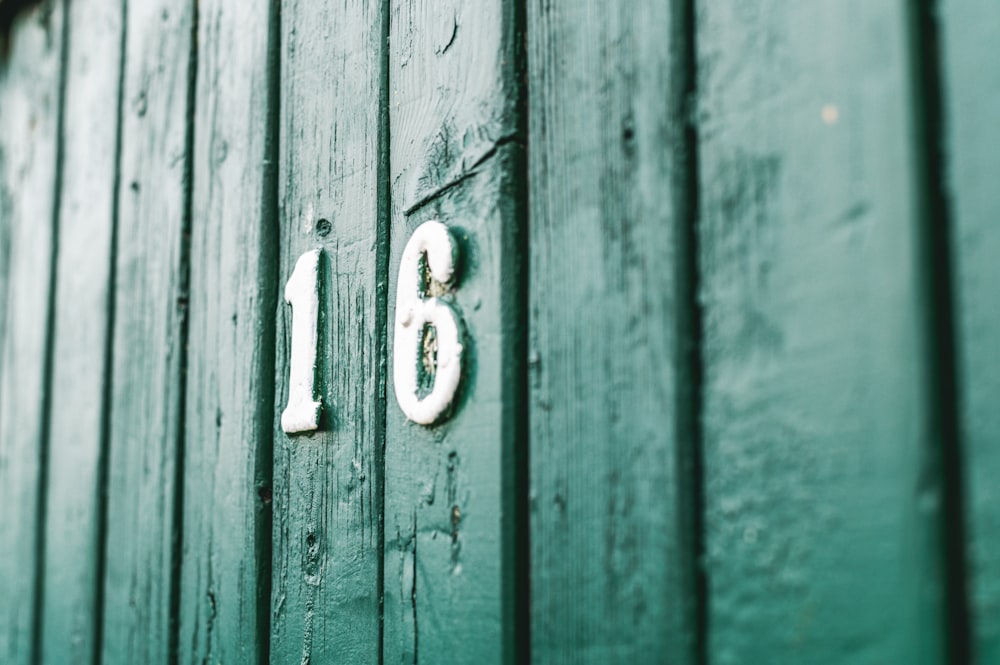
{"type": "Point", "coordinates": [416, 313]}
{"type": "Point", "coordinates": [302, 293]}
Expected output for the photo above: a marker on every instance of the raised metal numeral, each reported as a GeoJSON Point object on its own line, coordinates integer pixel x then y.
{"type": "Point", "coordinates": [302, 293]}
{"type": "Point", "coordinates": [427, 352]}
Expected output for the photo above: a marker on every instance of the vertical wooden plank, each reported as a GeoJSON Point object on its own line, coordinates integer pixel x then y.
{"type": "Point", "coordinates": [29, 99]}
{"type": "Point", "coordinates": [613, 545]}
{"type": "Point", "coordinates": [326, 495]}
{"type": "Point", "coordinates": [823, 492]}
{"type": "Point", "coordinates": [971, 143]}
{"type": "Point", "coordinates": [451, 517]}
{"type": "Point", "coordinates": [145, 437]}
{"type": "Point", "coordinates": [80, 333]}
{"type": "Point", "coordinates": [225, 592]}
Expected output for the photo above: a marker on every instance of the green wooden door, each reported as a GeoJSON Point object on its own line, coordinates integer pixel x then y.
{"type": "Point", "coordinates": [700, 368]}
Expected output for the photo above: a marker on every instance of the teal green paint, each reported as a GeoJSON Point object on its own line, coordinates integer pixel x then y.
{"type": "Point", "coordinates": [80, 334]}
{"type": "Point", "coordinates": [613, 544]}
{"type": "Point", "coordinates": [149, 345]}
{"type": "Point", "coordinates": [327, 503]}
{"type": "Point", "coordinates": [30, 94]}
{"type": "Point", "coordinates": [454, 156]}
{"type": "Point", "coordinates": [230, 365]}
{"type": "Point", "coordinates": [826, 490]}
{"type": "Point", "coordinates": [972, 152]}
{"type": "Point", "coordinates": [823, 491]}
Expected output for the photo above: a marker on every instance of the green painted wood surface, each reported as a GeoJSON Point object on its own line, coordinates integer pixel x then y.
{"type": "Point", "coordinates": [971, 88]}
{"type": "Point", "coordinates": [613, 545]}
{"type": "Point", "coordinates": [226, 566]}
{"type": "Point", "coordinates": [29, 105]}
{"type": "Point", "coordinates": [73, 523]}
{"type": "Point", "coordinates": [147, 412]}
{"type": "Point", "coordinates": [823, 493]}
{"type": "Point", "coordinates": [327, 498]}
{"type": "Point", "coordinates": [452, 523]}
{"type": "Point", "coordinates": [255, 131]}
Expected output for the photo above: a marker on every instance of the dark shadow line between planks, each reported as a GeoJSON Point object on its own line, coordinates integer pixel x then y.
{"type": "Point", "coordinates": [691, 330]}
{"type": "Point", "coordinates": [383, 226]}
{"type": "Point", "coordinates": [41, 497]}
{"type": "Point", "coordinates": [270, 257]}
{"type": "Point", "coordinates": [104, 454]}
{"type": "Point", "coordinates": [936, 275]}
{"type": "Point", "coordinates": [516, 436]}
{"type": "Point", "coordinates": [184, 277]}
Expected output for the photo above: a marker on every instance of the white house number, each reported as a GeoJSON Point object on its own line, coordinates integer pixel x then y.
{"type": "Point", "coordinates": [302, 293]}
{"type": "Point", "coordinates": [427, 353]}
{"type": "Point", "coordinates": [419, 310]}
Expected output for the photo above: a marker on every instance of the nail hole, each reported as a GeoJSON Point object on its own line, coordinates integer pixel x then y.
{"type": "Point", "coordinates": [323, 228]}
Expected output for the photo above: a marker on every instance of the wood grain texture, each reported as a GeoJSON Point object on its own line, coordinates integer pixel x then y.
{"type": "Point", "coordinates": [327, 500]}
{"type": "Point", "coordinates": [150, 304]}
{"type": "Point", "coordinates": [613, 547]}
{"type": "Point", "coordinates": [451, 517]}
{"type": "Point", "coordinates": [822, 486]}
{"type": "Point", "coordinates": [29, 99]}
{"type": "Point", "coordinates": [972, 152]}
{"type": "Point", "coordinates": [80, 333]}
{"type": "Point", "coordinates": [226, 566]}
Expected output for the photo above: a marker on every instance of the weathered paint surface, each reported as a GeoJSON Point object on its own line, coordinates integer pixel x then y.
{"type": "Point", "coordinates": [327, 496]}
{"type": "Point", "coordinates": [971, 98]}
{"type": "Point", "coordinates": [29, 107]}
{"type": "Point", "coordinates": [142, 547]}
{"type": "Point", "coordinates": [733, 377]}
{"type": "Point", "coordinates": [823, 494]}
{"type": "Point", "coordinates": [451, 521]}
{"type": "Point", "coordinates": [73, 521]}
{"type": "Point", "coordinates": [613, 547]}
{"type": "Point", "coordinates": [225, 571]}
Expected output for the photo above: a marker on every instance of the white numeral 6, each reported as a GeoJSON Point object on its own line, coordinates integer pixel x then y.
{"type": "Point", "coordinates": [425, 321]}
